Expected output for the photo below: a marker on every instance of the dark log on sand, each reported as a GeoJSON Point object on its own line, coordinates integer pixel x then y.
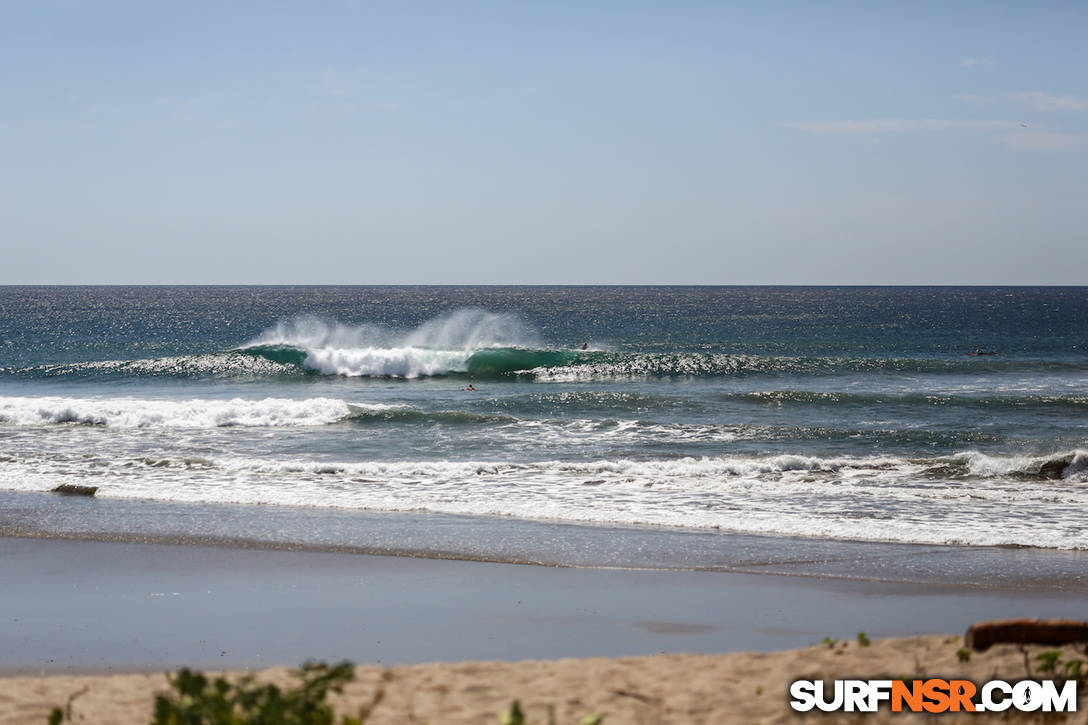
{"type": "Point", "coordinates": [71, 489]}
{"type": "Point", "coordinates": [1053, 632]}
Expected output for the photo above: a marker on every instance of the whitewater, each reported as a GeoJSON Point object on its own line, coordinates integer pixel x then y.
{"type": "Point", "coordinates": [845, 414]}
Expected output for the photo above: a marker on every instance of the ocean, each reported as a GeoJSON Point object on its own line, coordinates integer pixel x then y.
{"type": "Point", "coordinates": [678, 416]}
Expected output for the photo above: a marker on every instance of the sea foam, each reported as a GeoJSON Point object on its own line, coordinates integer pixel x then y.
{"type": "Point", "coordinates": [146, 413]}
{"type": "Point", "coordinates": [871, 498]}
{"type": "Point", "coordinates": [439, 346]}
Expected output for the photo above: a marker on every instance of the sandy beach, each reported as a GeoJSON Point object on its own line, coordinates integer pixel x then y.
{"type": "Point", "coordinates": [99, 622]}
{"type": "Point", "coordinates": [742, 687]}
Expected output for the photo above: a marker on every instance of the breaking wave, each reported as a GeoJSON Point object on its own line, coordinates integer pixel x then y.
{"type": "Point", "coordinates": [415, 362]}
{"type": "Point", "coordinates": [675, 473]}
{"type": "Point", "coordinates": [205, 413]}
{"type": "Point", "coordinates": [141, 413]}
{"type": "Point", "coordinates": [564, 420]}
{"type": "Point", "coordinates": [476, 343]}
{"type": "Point", "coordinates": [485, 345]}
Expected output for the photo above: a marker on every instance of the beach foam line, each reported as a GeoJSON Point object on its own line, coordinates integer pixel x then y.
{"type": "Point", "coordinates": [670, 474]}
{"type": "Point", "coordinates": [564, 544]}
{"type": "Point", "coordinates": [964, 499]}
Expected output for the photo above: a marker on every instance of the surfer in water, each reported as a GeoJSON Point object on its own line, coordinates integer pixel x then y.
{"type": "Point", "coordinates": [585, 345]}
{"type": "Point", "coordinates": [471, 387]}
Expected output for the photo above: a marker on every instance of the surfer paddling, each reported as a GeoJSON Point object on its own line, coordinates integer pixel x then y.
{"type": "Point", "coordinates": [471, 388]}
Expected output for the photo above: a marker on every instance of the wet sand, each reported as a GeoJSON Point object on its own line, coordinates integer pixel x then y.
{"type": "Point", "coordinates": [87, 605]}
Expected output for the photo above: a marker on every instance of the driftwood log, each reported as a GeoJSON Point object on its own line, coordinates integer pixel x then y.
{"type": "Point", "coordinates": [1053, 632]}
{"type": "Point", "coordinates": [71, 489]}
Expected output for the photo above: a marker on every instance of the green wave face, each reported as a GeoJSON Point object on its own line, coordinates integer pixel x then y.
{"type": "Point", "coordinates": [282, 354]}
{"type": "Point", "coordinates": [504, 361]}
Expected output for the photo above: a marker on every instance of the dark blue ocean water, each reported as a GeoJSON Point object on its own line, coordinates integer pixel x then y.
{"type": "Point", "coordinates": [834, 413]}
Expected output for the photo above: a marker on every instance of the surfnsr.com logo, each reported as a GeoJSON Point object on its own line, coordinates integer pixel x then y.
{"type": "Point", "coordinates": [934, 695]}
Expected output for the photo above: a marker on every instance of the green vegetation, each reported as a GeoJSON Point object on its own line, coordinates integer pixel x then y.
{"type": "Point", "coordinates": [863, 639]}
{"type": "Point", "coordinates": [963, 654]}
{"type": "Point", "coordinates": [244, 703]}
{"type": "Point", "coordinates": [198, 701]}
{"type": "Point", "coordinates": [1051, 662]}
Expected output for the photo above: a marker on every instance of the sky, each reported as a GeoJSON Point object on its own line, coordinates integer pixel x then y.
{"type": "Point", "coordinates": [588, 142]}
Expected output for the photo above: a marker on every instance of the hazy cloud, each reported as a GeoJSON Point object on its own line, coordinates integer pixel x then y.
{"type": "Point", "coordinates": [1045, 141]}
{"type": "Point", "coordinates": [1049, 102]}
{"type": "Point", "coordinates": [976, 62]}
{"type": "Point", "coordinates": [899, 125]}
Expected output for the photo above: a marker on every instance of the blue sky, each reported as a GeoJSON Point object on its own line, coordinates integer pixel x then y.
{"type": "Point", "coordinates": [543, 142]}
